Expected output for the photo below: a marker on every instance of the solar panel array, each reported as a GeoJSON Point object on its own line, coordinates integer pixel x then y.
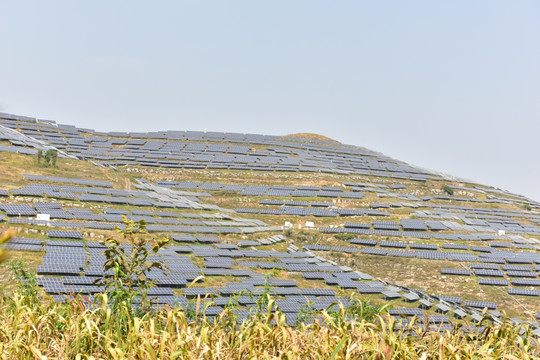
{"type": "Point", "coordinates": [199, 150]}
{"type": "Point", "coordinates": [80, 264]}
{"type": "Point", "coordinates": [179, 208]}
{"type": "Point", "coordinates": [148, 197]}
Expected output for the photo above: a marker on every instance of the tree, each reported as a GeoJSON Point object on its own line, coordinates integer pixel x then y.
{"type": "Point", "coordinates": [54, 158]}
{"type": "Point", "coordinates": [50, 157]}
{"type": "Point", "coordinates": [47, 157]}
{"type": "Point", "coordinates": [39, 156]}
{"type": "Point", "coordinates": [126, 269]}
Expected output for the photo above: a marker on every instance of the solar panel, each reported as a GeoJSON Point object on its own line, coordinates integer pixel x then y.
{"type": "Point", "coordinates": [385, 225]}
{"type": "Point", "coordinates": [525, 282]}
{"type": "Point", "coordinates": [27, 241]}
{"type": "Point", "coordinates": [345, 249]}
{"type": "Point", "coordinates": [487, 272]}
{"type": "Point", "coordinates": [461, 272]}
{"type": "Point", "coordinates": [495, 282]}
{"type": "Point", "coordinates": [450, 299]}
{"type": "Point", "coordinates": [366, 242]}
{"type": "Point", "coordinates": [461, 257]}
{"type": "Point", "coordinates": [402, 253]}
{"type": "Point", "coordinates": [455, 246]}
{"type": "Point", "coordinates": [208, 239]}
{"type": "Point", "coordinates": [317, 292]}
{"type": "Point", "coordinates": [528, 274]}
{"type": "Point", "coordinates": [413, 224]}
{"type": "Point", "coordinates": [18, 209]}
{"type": "Point", "coordinates": [481, 304]}
{"type": "Point", "coordinates": [405, 311]}
{"type": "Point", "coordinates": [357, 225]}
{"type": "Point", "coordinates": [516, 268]}
{"type": "Point", "coordinates": [245, 243]}
{"type": "Point", "coordinates": [485, 266]}
{"type": "Point", "coordinates": [374, 251]}
{"type": "Point", "coordinates": [64, 234]}
{"type": "Point", "coordinates": [316, 247]}
{"type": "Point", "coordinates": [525, 292]}
{"type": "Point", "coordinates": [58, 270]}
{"type": "Point", "coordinates": [423, 246]}
{"type": "Point", "coordinates": [393, 244]}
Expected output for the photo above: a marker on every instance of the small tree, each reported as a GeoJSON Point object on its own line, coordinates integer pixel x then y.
{"type": "Point", "coordinates": [126, 268]}
{"type": "Point", "coordinates": [47, 157]}
{"type": "Point", "coordinates": [39, 156]}
{"type": "Point", "coordinates": [50, 157]}
{"type": "Point", "coordinates": [54, 157]}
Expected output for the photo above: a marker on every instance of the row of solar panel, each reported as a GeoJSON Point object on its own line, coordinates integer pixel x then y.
{"type": "Point", "coordinates": [413, 234]}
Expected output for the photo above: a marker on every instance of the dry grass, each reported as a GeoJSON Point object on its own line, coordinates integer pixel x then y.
{"type": "Point", "coordinates": [31, 330]}
{"type": "Point", "coordinates": [312, 136]}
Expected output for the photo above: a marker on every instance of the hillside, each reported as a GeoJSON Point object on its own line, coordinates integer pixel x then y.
{"type": "Point", "coordinates": [312, 219]}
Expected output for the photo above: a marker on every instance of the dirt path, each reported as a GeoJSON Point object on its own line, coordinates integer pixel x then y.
{"type": "Point", "coordinates": [127, 184]}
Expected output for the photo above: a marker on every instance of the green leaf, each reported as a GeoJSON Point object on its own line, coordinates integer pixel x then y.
{"type": "Point", "coordinates": [338, 347]}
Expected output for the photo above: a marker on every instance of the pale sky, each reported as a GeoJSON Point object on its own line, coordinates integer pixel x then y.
{"type": "Point", "coordinates": [453, 86]}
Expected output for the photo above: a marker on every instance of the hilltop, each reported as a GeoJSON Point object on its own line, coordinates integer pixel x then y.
{"type": "Point", "coordinates": [311, 136]}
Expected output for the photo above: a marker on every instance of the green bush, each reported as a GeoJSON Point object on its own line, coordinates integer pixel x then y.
{"type": "Point", "coordinates": [448, 190]}
{"type": "Point", "coordinates": [345, 237]}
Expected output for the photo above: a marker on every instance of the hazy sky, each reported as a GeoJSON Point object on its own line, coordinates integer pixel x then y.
{"type": "Point", "coordinates": [449, 85]}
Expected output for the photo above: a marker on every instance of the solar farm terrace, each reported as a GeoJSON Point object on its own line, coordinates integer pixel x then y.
{"type": "Point", "coordinates": [309, 219]}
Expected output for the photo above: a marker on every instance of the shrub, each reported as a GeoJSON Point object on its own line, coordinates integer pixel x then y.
{"type": "Point", "coordinates": [345, 237]}
{"type": "Point", "coordinates": [448, 190]}
{"type": "Point", "coordinates": [27, 282]}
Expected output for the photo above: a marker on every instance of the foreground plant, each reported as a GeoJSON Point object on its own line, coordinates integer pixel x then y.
{"type": "Point", "coordinates": [4, 239]}
{"type": "Point", "coordinates": [49, 330]}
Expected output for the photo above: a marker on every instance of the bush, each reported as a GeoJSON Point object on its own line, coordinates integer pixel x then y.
{"type": "Point", "coordinates": [345, 237]}
{"type": "Point", "coordinates": [448, 190]}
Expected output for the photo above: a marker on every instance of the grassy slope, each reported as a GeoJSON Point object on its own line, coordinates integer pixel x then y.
{"type": "Point", "coordinates": [13, 166]}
